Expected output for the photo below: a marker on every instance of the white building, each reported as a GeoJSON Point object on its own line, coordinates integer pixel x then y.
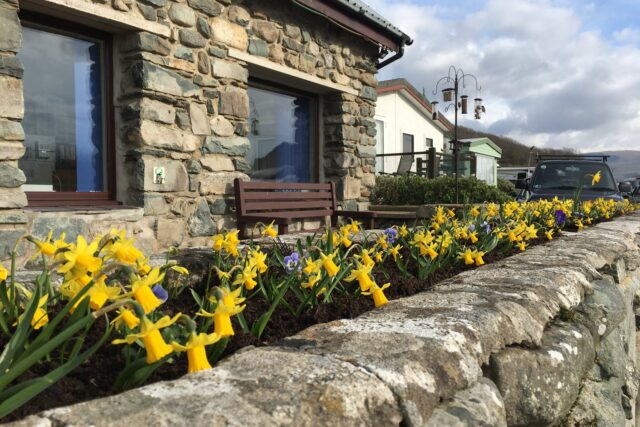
{"type": "Point", "coordinates": [404, 124]}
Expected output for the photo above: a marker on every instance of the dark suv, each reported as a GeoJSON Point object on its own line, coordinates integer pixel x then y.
{"type": "Point", "coordinates": [563, 177]}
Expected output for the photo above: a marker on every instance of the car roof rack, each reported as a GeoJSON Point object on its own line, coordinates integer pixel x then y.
{"type": "Point", "coordinates": [592, 157]}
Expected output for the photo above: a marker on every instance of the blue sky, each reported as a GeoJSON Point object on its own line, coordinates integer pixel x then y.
{"type": "Point", "coordinates": [553, 72]}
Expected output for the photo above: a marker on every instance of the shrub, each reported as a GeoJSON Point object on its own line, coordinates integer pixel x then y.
{"type": "Point", "coordinates": [507, 186]}
{"type": "Point", "coordinates": [417, 190]}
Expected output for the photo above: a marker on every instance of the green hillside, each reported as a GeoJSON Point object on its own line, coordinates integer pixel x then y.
{"type": "Point", "coordinates": [514, 153]}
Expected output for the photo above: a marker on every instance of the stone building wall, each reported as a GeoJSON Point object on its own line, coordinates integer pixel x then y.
{"type": "Point", "coordinates": [545, 337]}
{"type": "Point", "coordinates": [181, 72]}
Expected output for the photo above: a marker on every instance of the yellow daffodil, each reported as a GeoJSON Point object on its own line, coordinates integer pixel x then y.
{"type": "Point", "coordinates": [478, 258]}
{"type": "Point", "coordinates": [257, 260]}
{"type": "Point", "coordinates": [403, 232]}
{"type": "Point", "coordinates": [4, 273]}
{"type": "Point", "coordinates": [522, 246]}
{"type": "Point", "coordinates": [377, 292]}
{"type": "Point", "coordinates": [549, 234]}
{"type": "Point", "coordinates": [430, 250]}
{"type": "Point", "coordinates": [247, 278]}
{"type": "Point", "coordinates": [196, 353]}
{"type": "Point", "coordinates": [311, 281]}
{"type": "Point", "coordinates": [143, 266]}
{"type": "Point", "coordinates": [231, 299]}
{"type": "Point", "coordinates": [40, 317]}
{"type": "Point", "coordinates": [218, 242]}
{"type": "Point", "coordinates": [154, 344]}
{"type": "Point", "coordinates": [329, 265]}
{"type": "Point", "coordinates": [473, 237]}
{"type": "Point", "coordinates": [365, 257]}
{"type": "Point", "coordinates": [355, 226]}
{"type": "Point", "coordinates": [345, 230]}
{"type": "Point", "coordinates": [382, 241]}
{"type": "Point", "coordinates": [474, 212]}
{"type": "Point", "coordinates": [99, 293]}
{"type": "Point", "coordinates": [467, 256]}
{"type": "Point", "coordinates": [362, 274]}
{"type": "Point", "coordinates": [377, 257]}
{"type": "Point", "coordinates": [48, 246]}
{"type": "Point", "coordinates": [395, 252]}
{"type": "Point", "coordinates": [595, 179]}
{"type": "Point", "coordinates": [142, 293]}
{"type": "Point", "coordinates": [126, 317]}
{"type": "Point", "coordinates": [222, 318]}
{"type": "Point", "coordinates": [231, 242]}
{"type": "Point", "coordinates": [270, 231]}
{"type": "Point", "coordinates": [81, 258]}
{"type": "Point", "coordinates": [344, 240]}
{"type": "Point", "coordinates": [123, 251]}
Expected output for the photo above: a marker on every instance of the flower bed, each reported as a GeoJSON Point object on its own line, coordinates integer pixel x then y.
{"type": "Point", "coordinates": [110, 293]}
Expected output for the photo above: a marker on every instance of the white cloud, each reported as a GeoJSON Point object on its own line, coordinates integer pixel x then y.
{"type": "Point", "coordinates": [546, 79]}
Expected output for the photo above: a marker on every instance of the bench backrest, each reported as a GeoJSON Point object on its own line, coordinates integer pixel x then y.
{"type": "Point", "coordinates": [301, 199]}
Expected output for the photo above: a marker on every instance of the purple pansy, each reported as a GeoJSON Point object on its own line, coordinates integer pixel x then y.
{"type": "Point", "coordinates": [292, 262]}
{"type": "Point", "coordinates": [561, 217]}
{"type": "Point", "coordinates": [160, 293]}
{"type": "Point", "coordinates": [390, 234]}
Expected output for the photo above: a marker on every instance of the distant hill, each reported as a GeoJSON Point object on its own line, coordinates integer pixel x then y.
{"type": "Point", "coordinates": [514, 153]}
{"type": "Point", "coordinates": [624, 164]}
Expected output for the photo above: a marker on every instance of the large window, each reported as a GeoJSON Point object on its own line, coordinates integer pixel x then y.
{"type": "Point", "coordinates": [66, 117]}
{"type": "Point", "coordinates": [282, 133]}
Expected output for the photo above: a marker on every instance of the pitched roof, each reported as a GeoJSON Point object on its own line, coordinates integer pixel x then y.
{"type": "Point", "coordinates": [396, 85]}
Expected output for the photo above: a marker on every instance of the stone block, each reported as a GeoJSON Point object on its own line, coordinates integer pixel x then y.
{"type": "Point", "coordinates": [229, 34]}
{"type": "Point", "coordinates": [146, 42]}
{"type": "Point", "coordinates": [603, 310]}
{"type": "Point", "coordinates": [203, 27]}
{"type": "Point", "coordinates": [266, 30]}
{"type": "Point", "coordinates": [258, 47]}
{"type": "Point", "coordinates": [61, 223]}
{"type": "Point", "coordinates": [369, 93]}
{"type": "Point", "coordinates": [13, 217]}
{"type": "Point", "coordinates": [480, 405]}
{"type": "Point", "coordinates": [151, 77]}
{"type": "Point", "coordinates": [221, 206]}
{"type": "Point", "coordinates": [11, 150]}
{"type": "Point", "coordinates": [369, 180]}
{"type": "Point", "coordinates": [218, 183]}
{"type": "Point", "coordinates": [343, 160]}
{"type": "Point", "coordinates": [11, 198]}
{"type": "Point", "coordinates": [203, 62]}
{"type": "Point", "coordinates": [566, 353]}
{"type": "Point", "coordinates": [210, 7]}
{"type": "Point", "coordinates": [229, 70]}
{"type": "Point", "coordinates": [182, 14]}
{"type": "Point", "coordinates": [276, 54]}
{"type": "Point", "coordinates": [170, 232]}
{"type": "Point", "coordinates": [10, 30]}
{"type": "Point", "coordinates": [155, 204]}
{"type": "Point", "coordinates": [192, 38]}
{"type": "Point", "coordinates": [11, 66]}
{"type": "Point", "coordinates": [149, 13]}
{"type": "Point", "coordinates": [199, 119]}
{"type": "Point", "coordinates": [11, 176]}
{"type": "Point", "coordinates": [12, 105]}
{"type": "Point", "coordinates": [241, 165]}
{"type": "Point", "coordinates": [307, 63]}
{"type": "Point", "coordinates": [239, 15]}
{"type": "Point", "coordinates": [233, 146]}
{"type": "Point", "coordinates": [176, 177]}
{"type": "Point", "coordinates": [234, 102]}
{"type": "Point", "coordinates": [366, 151]}
{"type": "Point", "coordinates": [8, 239]}
{"type": "Point", "coordinates": [217, 163]}
{"type": "Point", "coordinates": [348, 188]}
{"type": "Point", "coordinates": [156, 135]}
{"type": "Point", "coordinates": [200, 223]}
{"type": "Point", "coordinates": [150, 109]}
{"type": "Point", "coordinates": [220, 126]}
{"type": "Point", "coordinates": [184, 53]}
{"type": "Point", "coordinates": [292, 44]}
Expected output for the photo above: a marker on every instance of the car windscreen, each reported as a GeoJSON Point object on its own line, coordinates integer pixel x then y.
{"type": "Point", "coordinates": [571, 176]}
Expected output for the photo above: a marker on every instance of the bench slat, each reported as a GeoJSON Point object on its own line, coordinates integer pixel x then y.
{"type": "Point", "coordinates": [262, 185]}
{"type": "Point", "coordinates": [286, 195]}
{"type": "Point", "coordinates": [268, 216]}
{"type": "Point", "coordinates": [287, 206]}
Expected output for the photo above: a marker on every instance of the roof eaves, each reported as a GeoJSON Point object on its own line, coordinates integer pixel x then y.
{"type": "Point", "coordinates": [374, 17]}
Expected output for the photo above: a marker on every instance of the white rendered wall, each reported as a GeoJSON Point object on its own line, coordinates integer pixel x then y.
{"type": "Point", "coordinates": [401, 116]}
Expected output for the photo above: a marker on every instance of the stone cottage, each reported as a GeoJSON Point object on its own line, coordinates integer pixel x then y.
{"type": "Point", "coordinates": [139, 114]}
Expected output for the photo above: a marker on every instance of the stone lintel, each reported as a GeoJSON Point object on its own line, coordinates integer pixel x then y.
{"type": "Point", "coordinates": [259, 66]}
{"type": "Point", "coordinates": [101, 16]}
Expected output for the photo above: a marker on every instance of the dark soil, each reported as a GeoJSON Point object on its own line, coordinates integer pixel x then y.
{"type": "Point", "coordinates": [95, 377]}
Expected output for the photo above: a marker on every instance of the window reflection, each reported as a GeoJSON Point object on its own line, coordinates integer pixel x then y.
{"type": "Point", "coordinates": [63, 121]}
{"type": "Point", "coordinates": [281, 129]}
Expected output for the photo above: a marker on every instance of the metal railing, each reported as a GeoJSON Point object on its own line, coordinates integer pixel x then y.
{"type": "Point", "coordinates": [431, 163]}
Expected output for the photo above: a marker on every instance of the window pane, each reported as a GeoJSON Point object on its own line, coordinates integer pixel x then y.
{"type": "Point", "coordinates": [281, 129]}
{"type": "Point", "coordinates": [63, 121]}
{"type": "Point", "coordinates": [429, 142]}
{"type": "Point", "coordinates": [407, 143]}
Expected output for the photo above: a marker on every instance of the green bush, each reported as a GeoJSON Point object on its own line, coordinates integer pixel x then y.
{"type": "Point", "coordinates": [417, 190]}
{"type": "Point", "coordinates": [507, 186]}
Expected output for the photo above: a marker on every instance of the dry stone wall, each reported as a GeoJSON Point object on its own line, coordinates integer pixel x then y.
{"type": "Point", "coordinates": [546, 337]}
{"type": "Point", "coordinates": [182, 103]}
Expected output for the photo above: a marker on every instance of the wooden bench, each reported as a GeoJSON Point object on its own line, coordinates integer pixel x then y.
{"type": "Point", "coordinates": [286, 203]}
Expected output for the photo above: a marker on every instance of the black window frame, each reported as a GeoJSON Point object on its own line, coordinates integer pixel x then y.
{"type": "Point", "coordinates": [74, 198]}
{"type": "Point", "coordinates": [269, 85]}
